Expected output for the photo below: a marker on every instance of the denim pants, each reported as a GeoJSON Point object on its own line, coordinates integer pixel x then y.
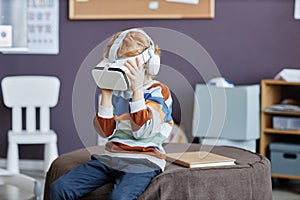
{"type": "Point", "coordinates": [130, 177]}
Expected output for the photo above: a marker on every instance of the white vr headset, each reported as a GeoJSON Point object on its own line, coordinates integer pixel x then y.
{"type": "Point", "coordinates": [110, 72]}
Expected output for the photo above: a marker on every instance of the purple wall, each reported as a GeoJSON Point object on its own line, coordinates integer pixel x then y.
{"type": "Point", "coordinates": [248, 40]}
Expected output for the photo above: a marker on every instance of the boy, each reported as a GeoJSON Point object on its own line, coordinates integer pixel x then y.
{"type": "Point", "coordinates": [136, 122]}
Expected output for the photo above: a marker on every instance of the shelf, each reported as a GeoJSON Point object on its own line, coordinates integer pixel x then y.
{"type": "Point", "coordinates": [282, 113]}
{"type": "Point", "coordinates": [279, 82]}
{"type": "Point", "coordinates": [13, 50]}
{"type": "Point", "coordinates": [277, 131]}
{"type": "Point", "coordinates": [285, 176]}
{"type": "Point", "coordinates": [272, 93]}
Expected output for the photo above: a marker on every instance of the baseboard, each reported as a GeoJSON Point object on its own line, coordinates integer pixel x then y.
{"type": "Point", "coordinates": [26, 164]}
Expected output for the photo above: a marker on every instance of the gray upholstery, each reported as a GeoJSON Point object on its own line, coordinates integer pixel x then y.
{"type": "Point", "coordinates": [249, 179]}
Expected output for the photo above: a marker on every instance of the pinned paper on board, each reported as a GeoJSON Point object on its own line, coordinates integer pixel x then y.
{"type": "Point", "coordinates": [184, 1]}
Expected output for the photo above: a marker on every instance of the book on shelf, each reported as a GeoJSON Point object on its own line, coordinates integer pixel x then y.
{"type": "Point", "coordinates": [283, 108]}
{"type": "Point", "coordinates": [199, 159]}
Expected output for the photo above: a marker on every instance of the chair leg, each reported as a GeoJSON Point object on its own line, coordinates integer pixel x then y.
{"type": "Point", "coordinates": [13, 158]}
{"type": "Point", "coordinates": [50, 154]}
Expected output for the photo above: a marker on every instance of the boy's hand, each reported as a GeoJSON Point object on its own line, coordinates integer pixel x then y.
{"type": "Point", "coordinates": [136, 74]}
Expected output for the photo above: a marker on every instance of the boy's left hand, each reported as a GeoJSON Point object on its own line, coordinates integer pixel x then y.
{"type": "Point", "coordinates": [136, 74]}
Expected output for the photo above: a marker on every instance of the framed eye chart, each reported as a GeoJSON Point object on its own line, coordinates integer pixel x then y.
{"type": "Point", "coordinates": [42, 27]}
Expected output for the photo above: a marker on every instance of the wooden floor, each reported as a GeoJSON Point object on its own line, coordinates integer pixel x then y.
{"type": "Point", "coordinates": [9, 192]}
{"type": "Point", "coordinates": [282, 189]}
{"type": "Point", "coordinates": [285, 189]}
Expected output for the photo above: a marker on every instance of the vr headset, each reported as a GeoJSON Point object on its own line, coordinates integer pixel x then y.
{"type": "Point", "coordinates": [110, 72]}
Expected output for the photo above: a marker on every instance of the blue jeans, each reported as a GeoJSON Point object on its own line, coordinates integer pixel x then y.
{"type": "Point", "coordinates": [130, 177]}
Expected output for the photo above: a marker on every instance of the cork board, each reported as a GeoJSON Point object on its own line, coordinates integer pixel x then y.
{"type": "Point", "coordinates": [139, 9]}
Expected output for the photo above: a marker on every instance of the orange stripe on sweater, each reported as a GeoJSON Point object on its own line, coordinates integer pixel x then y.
{"type": "Point", "coordinates": [103, 126]}
{"type": "Point", "coordinates": [164, 90]}
{"type": "Point", "coordinates": [171, 123]}
{"type": "Point", "coordinates": [156, 107]}
{"type": "Point", "coordinates": [139, 118]}
{"type": "Point", "coordinates": [125, 116]}
{"type": "Point", "coordinates": [117, 147]}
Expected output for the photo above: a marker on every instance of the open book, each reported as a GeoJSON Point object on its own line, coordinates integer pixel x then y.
{"type": "Point", "coordinates": [199, 159]}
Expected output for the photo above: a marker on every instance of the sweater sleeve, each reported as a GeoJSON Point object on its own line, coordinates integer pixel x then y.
{"type": "Point", "coordinates": [139, 114]}
{"type": "Point", "coordinates": [104, 122]}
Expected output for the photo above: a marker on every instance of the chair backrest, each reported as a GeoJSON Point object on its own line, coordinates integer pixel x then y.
{"type": "Point", "coordinates": [30, 92]}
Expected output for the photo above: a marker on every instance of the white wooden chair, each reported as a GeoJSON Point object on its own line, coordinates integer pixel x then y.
{"type": "Point", "coordinates": [30, 92]}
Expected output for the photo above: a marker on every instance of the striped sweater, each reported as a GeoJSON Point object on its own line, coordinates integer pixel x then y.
{"type": "Point", "coordinates": [137, 129]}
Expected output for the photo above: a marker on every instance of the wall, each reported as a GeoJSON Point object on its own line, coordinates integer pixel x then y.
{"type": "Point", "coordinates": [248, 40]}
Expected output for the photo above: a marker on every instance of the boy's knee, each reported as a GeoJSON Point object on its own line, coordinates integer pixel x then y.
{"type": "Point", "coordinates": [118, 195]}
{"type": "Point", "coordinates": [59, 191]}
{"type": "Point", "coordinates": [56, 190]}
{"type": "Point", "coordinates": [115, 196]}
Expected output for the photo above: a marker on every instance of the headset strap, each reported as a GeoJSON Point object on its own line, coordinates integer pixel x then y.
{"type": "Point", "coordinates": [112, 56]}
{"type": "Point", "coordinates": [143, 58]}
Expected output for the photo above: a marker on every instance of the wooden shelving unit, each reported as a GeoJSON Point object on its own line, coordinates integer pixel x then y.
{"type": "Point", "coordinates": [271, 94]}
